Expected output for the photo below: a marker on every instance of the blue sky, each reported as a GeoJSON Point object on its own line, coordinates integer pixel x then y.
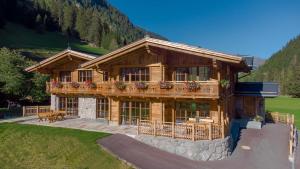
{"type": "Point", "coordinates": [252, 27]}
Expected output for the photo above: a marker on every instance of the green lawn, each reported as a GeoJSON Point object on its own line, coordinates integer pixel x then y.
{"type": "Point", "coordinates": [285, 104]}
{"type": "Point", "coordinates": [29, 146]}
{"type": "Point", "coordinates": [19, 37]}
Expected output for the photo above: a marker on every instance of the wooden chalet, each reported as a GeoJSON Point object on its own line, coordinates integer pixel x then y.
{"type": "Point", "coordinates": [151, 80]}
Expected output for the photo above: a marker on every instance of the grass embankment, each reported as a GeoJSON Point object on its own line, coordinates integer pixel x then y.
{"type": "Point", "coordinates": [285, 104]}
{"type": "Point", "coordinates": [29, 146]}
{"type": "Point", "coordinates": [19, 37]}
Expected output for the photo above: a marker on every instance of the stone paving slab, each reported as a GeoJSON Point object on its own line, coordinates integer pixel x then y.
{"type": "Point", "coordinates": [85, 124]}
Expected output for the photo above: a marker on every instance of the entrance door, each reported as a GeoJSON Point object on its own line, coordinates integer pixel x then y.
{"type": "Point", "coordinates": [102, 108]}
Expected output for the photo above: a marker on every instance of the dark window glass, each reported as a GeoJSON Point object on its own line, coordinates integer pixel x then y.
{"type": "Point", "coordinates": [135, 74]}
{"type": "Point", "coordinates": [65, 76]}
{"type": "Point", "coordinates": [102, 108]}
{"type": "Point", "coordinates": [85, 75]}
{"type": "Point", "coordinates": [105, 76]}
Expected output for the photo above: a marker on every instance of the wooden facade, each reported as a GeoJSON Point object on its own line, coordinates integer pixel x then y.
{"type": "Point", "coordinates": [192, 75]}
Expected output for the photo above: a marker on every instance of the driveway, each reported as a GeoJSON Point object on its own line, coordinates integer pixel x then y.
{"type": "Point", "coordinates": [264, 149]}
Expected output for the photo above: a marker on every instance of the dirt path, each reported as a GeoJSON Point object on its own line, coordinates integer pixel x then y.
{"type": "Point", "coordinates": [268, 150]}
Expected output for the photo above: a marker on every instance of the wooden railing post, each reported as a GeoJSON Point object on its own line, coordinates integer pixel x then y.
{"type": "Point", "coordinates": [24, 111]}
{"type": "Point", "coordinates": [37, 110]}
{"type": "Point", "coordinates": [138, 127]}
{"type": "Point", "coordinates": [173, 130]}
{"type": "Point", "coordinates": [154, 128]}
{"type": "Point", "coordinates": [193, 131]}
{"type": "Point", "coordinates": [210, 131]}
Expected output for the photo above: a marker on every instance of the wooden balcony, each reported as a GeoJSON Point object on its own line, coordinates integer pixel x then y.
{"type": "Point", "coordinates": [207, 89]}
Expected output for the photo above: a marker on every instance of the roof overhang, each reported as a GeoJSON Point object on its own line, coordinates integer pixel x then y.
{"type": "Point", "coordinates": [59, 56]}
{"type": "Point", "coordinates": [151, 42]}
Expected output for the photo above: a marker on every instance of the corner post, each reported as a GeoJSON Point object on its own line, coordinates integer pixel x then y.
{"type": "Point", "coordinates": [193, 131]}
{"type": "Point", "coordinates": [210, 131]}
{"type": "Point", "coordinates": [154, 128]}
{"type": "Point", "coordinates": [24, 110]}
{"type": "Point", "coordinates": [173, 130]}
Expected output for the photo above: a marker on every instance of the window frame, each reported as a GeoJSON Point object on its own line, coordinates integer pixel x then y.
{"type": "Point", "coordinates": [65, 76]}
{"type": "Point", "coordinates": [85, 75]}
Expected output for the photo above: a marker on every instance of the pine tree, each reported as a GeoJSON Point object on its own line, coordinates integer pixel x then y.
{"type": "Point", "coordinates": [294, 83]}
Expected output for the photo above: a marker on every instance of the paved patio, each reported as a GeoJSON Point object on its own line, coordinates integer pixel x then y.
{"type": "Point", "coordinates": [85, 124]}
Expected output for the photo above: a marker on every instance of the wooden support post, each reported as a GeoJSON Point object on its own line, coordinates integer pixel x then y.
{"type": "Point", "coordinates": [37, 110]}
{"type": "Point", "coordinates": [210, 131]}
{"type": "Point", "coordinates": [173, 130]}
{"type": "Point", "coordinates": [138, 127]}
{"type": "Point", "coordinates": [154, 128]}
{"type": "Point", "coordinates": [193, 131]}
{"type": "Point", "coordinates": [223, 130]}
{"type": "Point", "coordinates": [288, 118]}
{"type": "Point", "coordinates": [24, 111]}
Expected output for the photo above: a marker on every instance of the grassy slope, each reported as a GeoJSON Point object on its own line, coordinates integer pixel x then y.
{"type": "Point", "coordinates": [285, 104]}
{"type": "Point", "coordinates": [18, 37]}
{"type": "Point", "coordinates": [29, 146]}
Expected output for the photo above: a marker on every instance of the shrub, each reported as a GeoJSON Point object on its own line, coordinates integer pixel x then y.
{"type": "Point", "coordinates": [90, 84]}
{"type": "Point", "coordinates": [75, 85]}
{"type": "Point", "coordinates": [225, 83]}
{"type": "Point", "coordinates": [56, 84]}
{"type": "Point", "coordinates": [165, 85]}
{"type": "Point", "coordinates": [141, 85]}
{"type": "Point", "coordinates": [120, 85]}
{"type": "Point", "coordinates": [192, 86]}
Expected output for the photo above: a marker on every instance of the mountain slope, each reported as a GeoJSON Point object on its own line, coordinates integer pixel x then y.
{"type": "Point", "coordinates": [280, 66]}
{"type": "Point", "coordinates": [93, 22]}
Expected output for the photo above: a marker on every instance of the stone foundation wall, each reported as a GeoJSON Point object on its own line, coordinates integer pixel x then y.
{"type": "Point", "coordinates": [196, 150]}
{"type": "Point", "coordinates": [87, 107]}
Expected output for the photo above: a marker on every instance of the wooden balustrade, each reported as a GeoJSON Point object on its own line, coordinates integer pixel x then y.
{"type": "Point", "coordinates": [34, 110]}
{"type": "Point", "coordinates": [208, 89]}
{"type": "Point", "coordinates": [277, 117]}
{"type": "Point", "coordinates": [194, 131]}
{"type": "Point", "coordinates": [289, 119]}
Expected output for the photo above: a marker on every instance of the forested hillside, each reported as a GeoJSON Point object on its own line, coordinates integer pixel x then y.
{"type": "Point", "coordinates": [31, 30]}
{"type": "Point", "coordinates": [282, 67]}
{"type": "Point", "coordinates": [93, 21]}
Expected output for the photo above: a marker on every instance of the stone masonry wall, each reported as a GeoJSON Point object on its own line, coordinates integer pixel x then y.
{"type": "Point", "coordinates": [54, 102]}
{"type": "Point", "coordinates": [196, 150]}
{"type": "Point", "coordinates": [87, 107]}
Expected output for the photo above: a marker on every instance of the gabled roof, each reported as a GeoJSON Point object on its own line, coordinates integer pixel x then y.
{"type": "Point", "coordinates": [146, 42]}
{"type": "Point", "coordinates": [59, 56]}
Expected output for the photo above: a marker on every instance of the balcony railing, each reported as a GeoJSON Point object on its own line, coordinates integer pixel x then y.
{"type": "Point", "coordinates": [207, 89]}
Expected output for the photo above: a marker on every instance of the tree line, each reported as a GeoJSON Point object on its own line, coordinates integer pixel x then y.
{"type": "Point", "coordinates": [93, 21]}
{"type": "Point", "coordinates": [282, 67]}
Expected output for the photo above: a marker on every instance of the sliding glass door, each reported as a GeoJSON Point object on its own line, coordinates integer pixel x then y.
{"type": "Point", "coordinates": [132, 111]}
{"type": "Point", "coordinates": [69, 104]}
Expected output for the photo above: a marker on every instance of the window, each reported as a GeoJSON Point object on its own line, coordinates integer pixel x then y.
{"type": "Point", "coordinates": [201, 73]}
{"type": "Point", "coordinates": [65, 76]}
{"type": "Point", "coordinates": [204, 110]}
{"type": "Point", "coordinates": [186, 110]}
{"type": "Point", "coordinates": [85, 75]}
{"type": "Point", "coordinates": [135, 74]}
{"type": "Point", "coordinates": [132, 111]}
{"type": "Point", "coordinates": [105, 76]}
{"type": "Point", "coordinates": [68, 104]}
{"type": "Point", "coordinates": [102, 108]}
{"type": "Point", "coordinates": [62, 103]}
{"type": "Point", "coordinates": [204, 73]}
